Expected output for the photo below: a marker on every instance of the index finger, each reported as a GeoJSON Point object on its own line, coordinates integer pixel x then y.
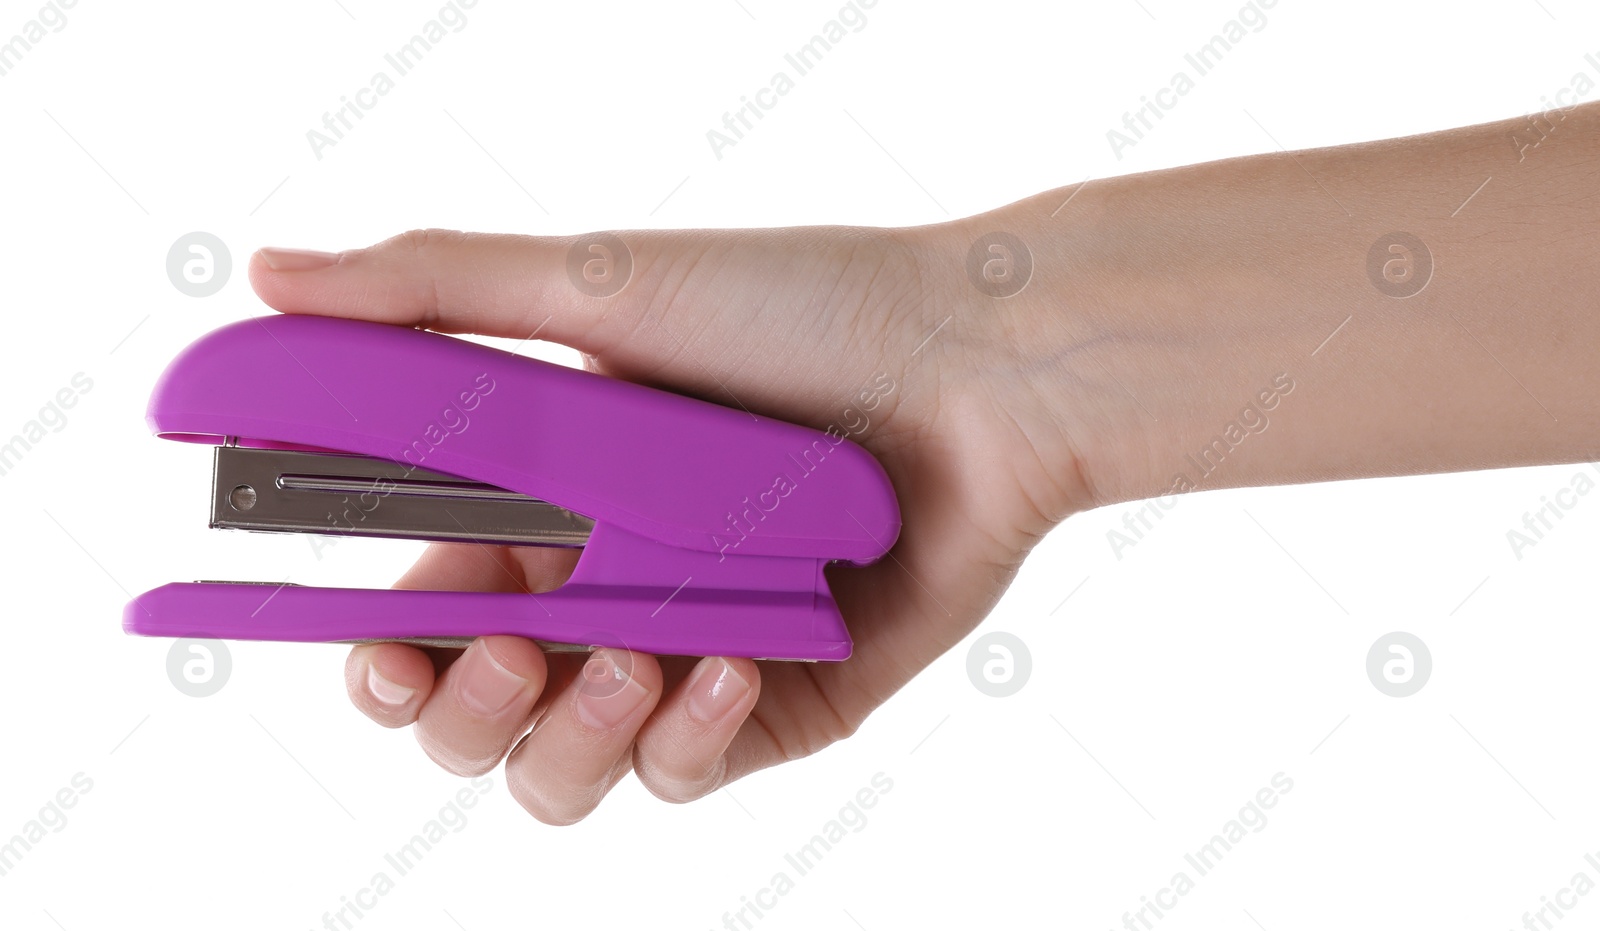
{"type": "Point", "coordinates": [492, 284]}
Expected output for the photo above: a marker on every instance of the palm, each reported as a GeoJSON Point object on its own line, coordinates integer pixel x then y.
{"type": "Point", "coordinates": [738, 320]}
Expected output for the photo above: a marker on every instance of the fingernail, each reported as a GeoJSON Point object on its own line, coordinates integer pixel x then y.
{"type": "Point", "coordinates": [714, 689]}
{"type": "Point", "coordinates": [488, 688]}
{"type": "Point", "coordinates": [389, 693]}
{"type": "Point", "coordinates": [607, 694]}
{"type": "Point", "coordinates": [296, 260]}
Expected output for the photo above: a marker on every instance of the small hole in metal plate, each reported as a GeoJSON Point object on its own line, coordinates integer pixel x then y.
{"type": "Point", "coordinates": [243, 498]}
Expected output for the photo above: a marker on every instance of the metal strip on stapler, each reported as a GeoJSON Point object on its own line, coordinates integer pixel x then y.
{"type": "Point", "coordinates": [301, 492]}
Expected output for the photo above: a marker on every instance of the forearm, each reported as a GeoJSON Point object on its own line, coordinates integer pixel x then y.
{"type": "Point", "coordinates": [1217, 326]}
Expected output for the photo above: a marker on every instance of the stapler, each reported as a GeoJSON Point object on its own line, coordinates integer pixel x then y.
{"type": "Point", "coordinates": [704, 529]}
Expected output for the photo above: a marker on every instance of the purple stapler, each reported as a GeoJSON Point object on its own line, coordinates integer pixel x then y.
{"type": "Point", "coordinates": [705, 530]}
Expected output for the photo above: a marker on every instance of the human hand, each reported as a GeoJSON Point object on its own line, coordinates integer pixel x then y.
{"type": "Point", "coordinates": [878, 331]}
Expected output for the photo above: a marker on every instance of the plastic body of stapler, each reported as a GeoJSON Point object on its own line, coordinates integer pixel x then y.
{"type": "Point", "coordinates": [705, 529]}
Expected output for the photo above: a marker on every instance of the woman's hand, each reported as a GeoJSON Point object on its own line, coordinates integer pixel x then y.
{"type": "Point", "coordinates": [1085, 346]}
{"type": "Point", "coordinates": [807, 325]}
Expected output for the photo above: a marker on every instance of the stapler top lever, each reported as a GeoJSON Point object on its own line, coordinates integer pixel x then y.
{"type": "Point", "coordinates": [705, 529]}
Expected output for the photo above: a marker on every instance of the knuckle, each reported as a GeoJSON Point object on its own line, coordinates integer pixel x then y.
{"type": "Point", "coordinates": [675, 790]}
{"type": "Point", "coordinates": [555, 809]}
{"type": "Point", "coordinates": [677, 781]}
{"type": "Point", "coordinates": [460, 761]}
{"type": "Point", "coordinates": [825, 729]}
{"type": "Point", "coordinates": [388, 717]}
{"type": "Point", "coordinates": [819, 740]}
{"type": "Point", "coordinates": [418, 241]}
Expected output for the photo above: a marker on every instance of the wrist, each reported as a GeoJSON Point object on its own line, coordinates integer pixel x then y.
{"type": "Point", "coordinates": [1030, 335]}
{"type": "Point", "coordinates": [1143, 334]}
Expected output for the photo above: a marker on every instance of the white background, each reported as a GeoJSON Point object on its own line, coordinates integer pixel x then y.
{"type": "Point", "coordinates": [1226, 647]}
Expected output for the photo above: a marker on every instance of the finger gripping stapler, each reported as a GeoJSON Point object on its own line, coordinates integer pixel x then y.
{"type": "Point", "coordinates": [704, 529]}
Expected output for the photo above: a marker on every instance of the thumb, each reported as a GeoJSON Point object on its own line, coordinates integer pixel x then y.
{"type": "Point", "coordinates": [581, 291]}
